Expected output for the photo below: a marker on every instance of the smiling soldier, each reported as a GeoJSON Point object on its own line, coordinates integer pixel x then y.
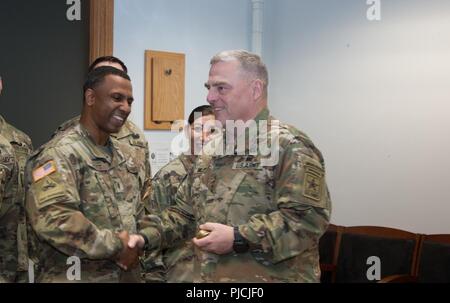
{"type": "Point", "coordinates": [83, 194]}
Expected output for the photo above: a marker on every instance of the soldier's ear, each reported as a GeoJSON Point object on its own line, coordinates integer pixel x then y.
{"type": "Point", "coordinates": [257, 89]}
{"type": "Point", "coordinates": [89, 97]}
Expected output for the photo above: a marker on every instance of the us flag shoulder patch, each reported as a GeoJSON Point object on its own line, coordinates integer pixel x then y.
{"type": "Point", "coordinates": [44, 170]}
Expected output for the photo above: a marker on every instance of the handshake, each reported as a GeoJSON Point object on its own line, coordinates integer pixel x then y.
{"type": "Point", "coordinates": [132, 249]}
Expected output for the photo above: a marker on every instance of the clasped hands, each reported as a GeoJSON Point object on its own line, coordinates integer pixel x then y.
{"type": "Point", "coordinates": [128, 257]}
{"type": "Point", "coordinates": [219, 241]}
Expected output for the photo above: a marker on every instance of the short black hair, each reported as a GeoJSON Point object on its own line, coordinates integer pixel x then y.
{"type": "Point", "coordinates": [205, 110]}
{"type": "Point", "coordinates": [108, 59]}
{"type": "Point", "coordinates": [97, 76]}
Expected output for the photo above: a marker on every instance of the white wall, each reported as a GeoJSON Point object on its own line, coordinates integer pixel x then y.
{"type": "Point", "coordinates": [198, 28]}
{"type": "Point", "coordinates": [373, 96]}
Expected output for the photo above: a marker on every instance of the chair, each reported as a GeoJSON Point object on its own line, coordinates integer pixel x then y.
{"type": "Point", "coordinates": [434, 259]}
{"type": "Point", "coordinates": [396, 249]}
{"type": "Point", "coordinates": [328, 249]}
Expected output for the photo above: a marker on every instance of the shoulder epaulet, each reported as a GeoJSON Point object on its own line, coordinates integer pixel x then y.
{"type": "Point", "coordinates": [66, 126]}
{"type": "Point", "coordinates": [294, 135]}
{"type": "Point", "coordinates": [130, 129]}
{"type": "Point", "coordinates": [297, 136]}
{"type": "Point", "coordinates": [56, 142]}
{"type": "Point", "coordinates": [17, 135]}
{"type": "Point", "coordinates": [37, 151]}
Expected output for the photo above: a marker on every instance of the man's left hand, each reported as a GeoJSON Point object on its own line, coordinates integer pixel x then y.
{"type": "Point", "coordinates": [219, 241]}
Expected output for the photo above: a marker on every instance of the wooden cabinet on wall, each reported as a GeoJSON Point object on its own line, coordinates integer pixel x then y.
{"type": "Point", "coordinates": [164, 89]}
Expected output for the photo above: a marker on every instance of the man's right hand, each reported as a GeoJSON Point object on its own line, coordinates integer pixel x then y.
{"type": "Point", "coordinates": [136, 241]}
{"type": "Point", "coordinates": [128, 257]}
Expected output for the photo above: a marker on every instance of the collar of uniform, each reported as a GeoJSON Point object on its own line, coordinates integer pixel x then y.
{"type": "Point", "coordinates": [96, 151]}
{"type": "Point", "coordinates": [187, 161]}
{"type": "Point", "coordinates": [263, 115]}
{"type": "Point", "coordinates": [219, 149]}
{"type": "Point", "coordinates": [123, 132]}
{"type": "Point", "coordinates": [262, 129]}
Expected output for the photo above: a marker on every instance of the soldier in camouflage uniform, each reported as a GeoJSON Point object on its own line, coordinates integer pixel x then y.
{"type": "Point", "coordinates": [83, 190]}
{"type": "Point", "coordinates": [175, 264]}
{"type": "Point", "coordinates": [263, 218]}
{"type": "Point", "coordinates": [15, 147]}
{"type": "Point", "coordinates": [128, 134]}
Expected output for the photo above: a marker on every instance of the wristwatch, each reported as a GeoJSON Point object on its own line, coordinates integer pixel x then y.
{"type": "Point", "coordinates": [240, 244]}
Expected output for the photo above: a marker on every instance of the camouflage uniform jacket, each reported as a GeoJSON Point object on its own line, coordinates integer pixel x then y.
{"type": "Point", "coordinates": [128, 134]}
{"type": "Point", "coordinates": [78, 197]}
{"type": "Point", "coordinates": [282, 209]}
{"type": "Point", "coordinates": [177, 263]}
{"type": "Point", "coordinates": [15, 147]}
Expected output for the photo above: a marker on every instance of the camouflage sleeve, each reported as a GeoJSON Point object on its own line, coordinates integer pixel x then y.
{"type": "Point", "coordinates": [147, 187]}
{"type": "Point", "coordinates": [148, 168]}
{"type": "Point", "coordinates": [53, 207]}
{"type": "Point", "coordinates": [153, 261]}
{"type": "Point", "coordinates": [140, 211]}
{"type": "Point", "coordinates": [151, 201]}
{"type": "Point", "coordinates": [22, 236]}
{"type": "Point", "coordinates": [303, 204]}
{"type": "Point", "coordinates": [8, 223]}
{"type": "Point", "coordinates": [163, 193]}
{"type": "Point", "coordinates": [9, 220]}
{"type": "Point", "coordinates": [5, 171]}
{"type": "Point", "coordinates": [173, 224]}
{"type": "Point", "coordinates": [6, 168]}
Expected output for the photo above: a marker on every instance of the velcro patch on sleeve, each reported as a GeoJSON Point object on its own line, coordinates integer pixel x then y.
{"type": "Point", "coordinates": [49, 190]}
{"type": "Point", "coordinates": [44, 171]}
{"type": "Point", "coordinates": [313, 183]}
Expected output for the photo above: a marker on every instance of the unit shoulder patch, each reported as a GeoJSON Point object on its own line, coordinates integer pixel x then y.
{"type": "Point", "coordinates": [49, 190]}
{"type": "Point", "coordinates": [313, 182]}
